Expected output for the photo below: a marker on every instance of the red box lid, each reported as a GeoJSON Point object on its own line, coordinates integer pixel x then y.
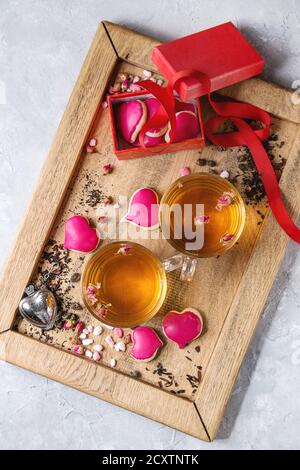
{"type": "Point", "coordinates": [220, 52]}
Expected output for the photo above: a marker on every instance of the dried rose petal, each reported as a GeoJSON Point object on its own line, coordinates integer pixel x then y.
{"type": "Point", "coordinates": [101, 311]}
{"type": "Point", "coordinates": [202, 219]}
{"type": "Point", "coordinates": [68, 325]}
{"type": "Point", "coordinates": [92, 299]}
{"type": "Point", "coordinates": [118, 332]}
{"type": "Point", "coordinates": [104, 104]}
{"type": "Point", "coordinates": [107, 168]}
{"type": "Point", "coordinates": [124, 250]}
{"type": "Point", "coordinates": [224, 200]}
{"type": "Point", "coordinates": [228, 237]}
{"type": "Point", "coordinates": [91, 289]}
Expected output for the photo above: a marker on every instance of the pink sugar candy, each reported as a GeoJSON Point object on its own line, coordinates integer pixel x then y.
{"type": "Point", "coordinates": [110, 341]}
{"type": "Point", "coordinates": [118, 332]}
{"type": "Point", "coordinates": [96, 356]}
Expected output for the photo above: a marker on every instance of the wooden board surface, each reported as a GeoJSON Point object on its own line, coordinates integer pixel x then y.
{"type": "Point", "coordinates": [230, 291]}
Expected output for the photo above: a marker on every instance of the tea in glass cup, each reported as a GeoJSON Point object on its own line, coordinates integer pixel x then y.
{"type": "Point", "coordinates": [124, 284]}
{"type": "Point", "coordinates": [202, 215]}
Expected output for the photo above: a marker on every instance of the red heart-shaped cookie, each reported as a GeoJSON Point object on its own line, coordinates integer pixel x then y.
{"type": "Point", "coordinates": [182, 327]}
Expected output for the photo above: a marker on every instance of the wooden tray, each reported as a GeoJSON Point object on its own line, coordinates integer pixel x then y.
{"type": "Point", "coordinates": [186, 389]}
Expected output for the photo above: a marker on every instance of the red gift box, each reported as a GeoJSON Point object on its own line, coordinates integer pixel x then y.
{"type": "Point", "coordinates": [221, 52]}
{"type": "Point", "coordinates": [124, 150]}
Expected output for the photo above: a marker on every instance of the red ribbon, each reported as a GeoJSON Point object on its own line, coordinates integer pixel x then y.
{"type": "Point", "coordinates": [245, 135]}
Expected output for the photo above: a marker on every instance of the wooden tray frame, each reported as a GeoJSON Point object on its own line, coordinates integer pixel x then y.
{"type": "Point", "coordinates": [200, 417]}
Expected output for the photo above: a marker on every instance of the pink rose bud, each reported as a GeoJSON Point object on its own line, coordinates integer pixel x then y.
{"type": "Point", "coordinates": [202, 219]}
{"type": "Point", "coordinates": [93, 142]}
{"type": "Point", "coordinates": [107, 169]}
{"type": "Point", "coordinates": [79, 327]}
{"type": "Point", "coordinates": [134, 87]}
{"type": "Point", "coordinates": [184, 171]}
{"type": "Point", "coordinates": [124, 250]}
{"type": "Point", "coordinates": [68, 325]}
{"type": "Point", "coordinates": [125, 85]}
{"type": "Point", "coordinates": [78, 350]}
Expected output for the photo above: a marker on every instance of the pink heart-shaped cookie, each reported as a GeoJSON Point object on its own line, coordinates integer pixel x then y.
{"type": "Point", "coordinates": [79, 235]}
{"type": "Point", "coordinates": [131, 116]}
{"type": "Point", "coordinates": [153, 136]}
{"type": "Point", "coordinates": [143, 209]}
{"type": "Point", "coordinates": [182, 327]}
{"type": "Point", "coordinates": [187, 126]}
{"type": "Point", "coordinates": [146, 343]}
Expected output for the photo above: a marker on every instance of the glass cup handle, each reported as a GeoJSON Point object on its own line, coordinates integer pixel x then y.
{"type": "Point", "coordinates": [187, 265]}
{"type": "Point", "coordinates": [188, 268]}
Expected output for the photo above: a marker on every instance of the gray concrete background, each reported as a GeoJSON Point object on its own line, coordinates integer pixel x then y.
{"type": "Point", "coordinates": [42, 46]}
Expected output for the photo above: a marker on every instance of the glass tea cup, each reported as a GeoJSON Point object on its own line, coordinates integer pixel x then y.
{"type": "Point", "coordinates": [201, 215]}
{"type": "Point", "coordinates": [124, 284]}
